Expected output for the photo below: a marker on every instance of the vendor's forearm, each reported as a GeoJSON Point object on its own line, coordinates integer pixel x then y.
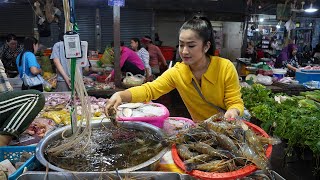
{"type": "Point", "coordinates": [148, 72]}
{"type": "Point", "coordinates": [291, 67]}
{"type": "Point", "coordinates": [60, 69]}
{"type": "Point", "coordinates": [126, 96]}
{"type": "Point", "coordinates": [35, 70]}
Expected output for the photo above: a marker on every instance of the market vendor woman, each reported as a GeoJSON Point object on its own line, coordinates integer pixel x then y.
{"type": "Point", "coordinates": [17, 109]}
{"type": "Point", "coordinates": [129, 62]}
{"type": "Point", "coordinates": [292, 64]}
{"type": "Point", "coordinates": [214, 77]}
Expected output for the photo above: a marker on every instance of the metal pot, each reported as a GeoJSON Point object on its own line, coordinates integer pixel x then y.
{"type": "Point", "coordinates": [55, 135]}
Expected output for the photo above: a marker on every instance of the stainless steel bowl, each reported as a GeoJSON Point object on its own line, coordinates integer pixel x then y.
{"type": "Point", "coordinates": [55, 135]}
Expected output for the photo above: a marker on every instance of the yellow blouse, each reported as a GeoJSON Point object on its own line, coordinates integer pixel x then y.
{"type": "Point", "coordinates": [219, 85]}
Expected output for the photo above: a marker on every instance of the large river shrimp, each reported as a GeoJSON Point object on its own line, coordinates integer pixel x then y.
{"type": "Point", "coordinates": [213, 166]}
{"type": "Point", "coordinates": [207, 149]}
{"type": "Point", "coordinates": [112, 115]}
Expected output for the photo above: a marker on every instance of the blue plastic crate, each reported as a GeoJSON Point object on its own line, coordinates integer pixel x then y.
{"type": "Point", "coordinates": [303, 77]}
{"type": "Point", "coordinates": [13, 153]}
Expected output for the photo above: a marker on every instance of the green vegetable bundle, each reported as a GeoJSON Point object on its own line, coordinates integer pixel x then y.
{"type": "Point", "coordinates": [296, 119]}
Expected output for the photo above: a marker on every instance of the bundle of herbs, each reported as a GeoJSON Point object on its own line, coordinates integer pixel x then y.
{"type": "Point", "coordinates": [296, 118]}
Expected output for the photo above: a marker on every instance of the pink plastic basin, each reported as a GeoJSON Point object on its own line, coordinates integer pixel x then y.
{"type": "Point", "coordinates": [155, 120]}
{"type": "Point", "coordinates": [171, 129]}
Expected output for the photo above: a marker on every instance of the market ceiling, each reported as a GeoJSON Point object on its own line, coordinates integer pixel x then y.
{"type": "Point", "coordinates": [186, 5]}
{"type": "Point", "coordinates": [212, 6]}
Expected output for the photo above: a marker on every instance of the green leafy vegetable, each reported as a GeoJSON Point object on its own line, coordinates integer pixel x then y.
{"type": "Point", "coordinates": [297, 119]}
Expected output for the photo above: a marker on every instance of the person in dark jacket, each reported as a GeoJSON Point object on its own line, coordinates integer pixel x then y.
{"type": "Point", "coordinates": [8, 54]}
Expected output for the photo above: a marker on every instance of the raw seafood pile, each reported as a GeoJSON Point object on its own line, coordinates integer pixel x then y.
{"type": "Point", "coordinates": [140, 110]}
{"type": "Point", "coordinates": [218, 145]}
{"type": "Point", "coordinates": [57, 108]}
{"type": "Point", "coordinates": [311, 68]}
{"type": "Point", "coordinates": [91, 84]}
{"type": "Point", "coordinates": [40, 126]}
{"type": "Point", "coordinates": [57, 99]}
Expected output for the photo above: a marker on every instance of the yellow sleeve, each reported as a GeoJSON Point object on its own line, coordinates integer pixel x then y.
{"type": "Point", "coordinates": [232, 90]}
{"type": "Point", "coordinates": [153, 90]}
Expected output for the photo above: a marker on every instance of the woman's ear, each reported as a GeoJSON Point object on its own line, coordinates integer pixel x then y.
{"type": "Point", "coordinates": [207, 46]}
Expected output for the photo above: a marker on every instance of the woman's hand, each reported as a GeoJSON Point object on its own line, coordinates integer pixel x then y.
{"type": "Point", "coordinates": [231, 113]}
{"type": "Point", "coordinates": [68, 82]}
{"type": "Point", "coordinates": [35, 71]}
{"type": "Point", "coordinates": [113, 102]}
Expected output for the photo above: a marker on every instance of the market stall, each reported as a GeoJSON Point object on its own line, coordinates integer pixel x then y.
{"type": "Point", "coordinates": [295, 119]}
{"type": "Point", "coordinates": [175, 128]}
{"type": "Point", "coordinates": [76, 137]}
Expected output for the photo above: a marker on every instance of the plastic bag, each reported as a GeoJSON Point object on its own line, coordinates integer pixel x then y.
{"type": "Point", "coordinates": [50, 78]}
{"type": "Point", "coordinates": [265, 80]}
{"type": "Point", "coordinates": [47, 86]}
{"type": "Point", "coordinates": [312, 84]}
{"type": "Point", "coordinates": [133, 80]}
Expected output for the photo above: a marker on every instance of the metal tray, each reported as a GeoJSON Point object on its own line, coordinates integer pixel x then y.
{"type": "Point", "coordinates": [147, 175]}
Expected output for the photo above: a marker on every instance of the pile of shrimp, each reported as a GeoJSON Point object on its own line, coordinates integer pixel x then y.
{"type": "Point", "coordinates": [220, 145]}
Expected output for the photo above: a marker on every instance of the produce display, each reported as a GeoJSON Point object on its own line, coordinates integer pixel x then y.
{"type": "Point", "coordinates": [50, 81]}
{"type": "Point", "coordinates": [91, 84]}
{"type": "Point", "coordinates": [219, 145]}
{"type": "Point", "coordinates": [40, 126]}
{"type": "Point", "coordinates": [296, 118]}
{"type": "Point", "coordinates": [57, 108]}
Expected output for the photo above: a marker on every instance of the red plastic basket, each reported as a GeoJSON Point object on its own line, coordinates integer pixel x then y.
{"type": "Point", "coordinates": [245, 171]}
{"type": "Point", "coordinates": [167, 52]}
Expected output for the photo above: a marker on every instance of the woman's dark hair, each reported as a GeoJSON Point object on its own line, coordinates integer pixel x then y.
{"type": "Point", "coordinates": [28, 46]}
{"type": "Point", "coordinates": [137, 41]}
{"type": "Point", "coordinates": [203, 27]}
{"type": "Point", "coordinates": [11, 37]}
{"type": "Point", "coordinates": [146, 36]}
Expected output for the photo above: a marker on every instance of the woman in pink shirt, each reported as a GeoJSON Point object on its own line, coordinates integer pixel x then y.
{"type": "Point", "coordinates": [129, 62]}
